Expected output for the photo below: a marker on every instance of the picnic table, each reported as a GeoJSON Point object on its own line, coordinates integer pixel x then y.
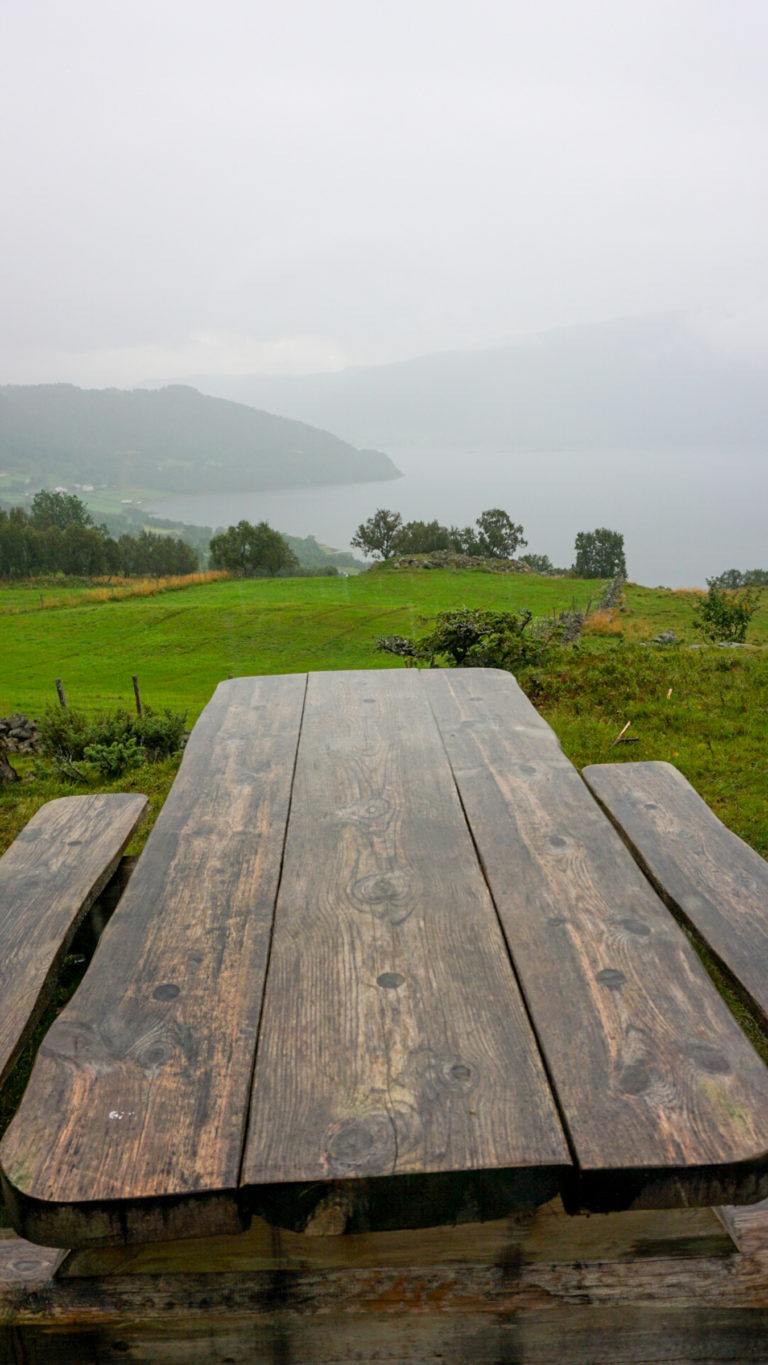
{"type": "Point", "coordinates": [385, 965]}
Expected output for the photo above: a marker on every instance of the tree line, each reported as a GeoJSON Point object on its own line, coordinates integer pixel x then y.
{"type": "Point", "coordinates": [740, 578]}
{"type": "Point", "coordinates": [494, 535]}
{"type": "Point", "coordinates": [58, 535]}
{"type": "Point", "coordinates": [251, 551]}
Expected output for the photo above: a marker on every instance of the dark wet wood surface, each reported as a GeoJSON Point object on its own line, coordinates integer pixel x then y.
{"type": "Point", "coordinates": [651, 1071]}
{"type": "Point", "coordinates": [394, 1040]}
{"type": "Point", "coordinates": [634, 1287]}
{"type": "Point", "coordinates": [714, 881]}
{"type": "Point", "coordinates": [139, 1092]}
{"type": "Point", "coordinates": [49, 877]}
{"type": "Point", "coordinates": [383, 963]}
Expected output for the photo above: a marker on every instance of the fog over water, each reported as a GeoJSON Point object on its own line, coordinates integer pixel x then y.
{"type": "Point", "coordinates": [239, 191]}
{"type": "Point", "coordinates": [683, 519]}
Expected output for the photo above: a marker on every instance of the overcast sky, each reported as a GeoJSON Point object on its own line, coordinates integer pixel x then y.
{"type": "Point", "coordinates": [193, 187]}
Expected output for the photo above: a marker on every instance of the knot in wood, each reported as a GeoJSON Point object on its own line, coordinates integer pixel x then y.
{"type": "Point", "coordinates": [361, 1146]}
{"type": "Point", "coordinates": [385, 895]}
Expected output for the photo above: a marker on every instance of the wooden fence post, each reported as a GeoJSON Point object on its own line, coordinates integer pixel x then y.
{"type": "Point", "coordinates": [60, 690]}
{"type": "Point", "coordinates": [137, 695]}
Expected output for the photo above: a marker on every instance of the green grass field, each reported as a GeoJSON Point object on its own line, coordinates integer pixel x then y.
{"type": "Point", "coordinates": [180, 644]}
{"type": "Point", "coordinates": [702, 709]}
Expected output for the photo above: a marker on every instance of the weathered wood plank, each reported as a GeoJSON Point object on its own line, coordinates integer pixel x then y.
{"type": "Point", "coordinates": [132, 1122]}
{"type": "Point", "coordinates": [601, 1313]}
{"type": "Point", "coordinates": [416, 1336]}
{"type": "Point", "coordinates": [714, 881]}
{"type": "Point", "coordinates": [49, 877]}
{"type": "Point", "coordinates": [546, 1234]}
{"type": "Point", "coordinates": [664, 1098]}
{"type": "Point", "coordinates": [662, 1304]}
{"type": "Point", "coordinates": [394, 1041]}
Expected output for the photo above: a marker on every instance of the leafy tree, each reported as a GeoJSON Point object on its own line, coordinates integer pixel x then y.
{"type": "Point", "coordinates": [734, 578]}
{"type": "Point", "coordinates": [377, 535]}
{"type": "Point", "coordinates": [538, 563]}
{"type": "Point", "coordinates": [29, 547]}
{"type": "Point", "coordinates": [493, 536]}
{"type": "Point", "coordinates": [600, 554]}
{"type": "Point", "coordinates": [498, 535]}
{"type": "Point", "coordinates": [59, 509]}
{"type": "Point", "coordinates": [84, 553]}
{"type": "Point", "coordinates": [421, 538]}
{"type": "Point", "coordinates": [249, 550]}
{"type": "Point", "coordinates": [467, 541]}
{"type": "Point", "coordinates": [724, 615]}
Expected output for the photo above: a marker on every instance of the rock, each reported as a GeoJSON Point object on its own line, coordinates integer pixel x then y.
{"type": "Point", "coordinates": [449, 559]}
{"type": "Point", "coordinates": [665, 637]}
{"type": "Point", "coordinates": [20, 734]}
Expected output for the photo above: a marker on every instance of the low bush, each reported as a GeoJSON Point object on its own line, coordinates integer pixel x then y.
{"type": "Point", "coordinates": [725, 615]}
{"type": "Point", "coordinates": [113, 741]}
{"type": "Point", "coordinates": [475, 639]}
{"type": "Point", "coordinates": [113, 759]}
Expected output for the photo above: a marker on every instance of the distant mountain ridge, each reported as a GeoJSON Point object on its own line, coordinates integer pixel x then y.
{"type": "Point", "coordinates": [171, 439]}
{"type": "Point", "coordinates": [645, 383]}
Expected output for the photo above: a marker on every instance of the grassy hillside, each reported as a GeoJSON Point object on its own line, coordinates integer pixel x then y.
{"type": "Point", "coordinates": [181, 643]}
{"type": "Point", "coordinates": [700, 708]}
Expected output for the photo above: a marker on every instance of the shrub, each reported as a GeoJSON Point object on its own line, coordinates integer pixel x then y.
{"type": "Point", "coordinates": [159, 732]}
{"type": "Point", "coordinates": [725, 615]}
{"type": "Point", "coordinates": [113, 759]}
{"type": "Point", "coordinates": [69, 735]}
{"type": "Point", "coordinates": [64, 734]}
{"type": "Point", "coordinates": [474, 639]}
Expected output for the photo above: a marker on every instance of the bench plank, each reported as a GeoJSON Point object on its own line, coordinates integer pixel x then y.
{"type": "Point", "coordinates": [138, 1087]}
{"type": "Point", "coordinates": [394, 1040]}
{"type": "Point", "coordinates": [49, 878]}
{"type": "Point", "coordinates": [712, 879]}
{"type": "Point", "coordinates": [649, 1066]}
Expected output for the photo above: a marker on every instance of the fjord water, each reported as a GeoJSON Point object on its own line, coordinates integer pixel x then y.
{"type": "Point", "coordinates": [684, 517]}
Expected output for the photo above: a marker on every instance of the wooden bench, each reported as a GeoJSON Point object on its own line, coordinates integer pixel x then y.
{"type": "Point", "coordinates": [49, 878]}
{"type": "Point", "coordinates": [714, 882]}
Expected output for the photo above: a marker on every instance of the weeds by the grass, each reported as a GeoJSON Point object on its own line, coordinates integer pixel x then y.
{"type": "Point", "coordinates": [37, 597]}
{"type": "Point", "coordinates": [605, 622]}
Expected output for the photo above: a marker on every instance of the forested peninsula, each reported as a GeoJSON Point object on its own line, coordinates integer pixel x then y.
{"type": "Point", "coordinates": [165, 441]}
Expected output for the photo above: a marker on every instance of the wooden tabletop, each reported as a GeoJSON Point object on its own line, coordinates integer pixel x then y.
{"type": "Point", "coordinates": [383, 963]}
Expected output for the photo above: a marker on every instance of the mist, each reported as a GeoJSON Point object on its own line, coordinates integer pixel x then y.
{"type": "Point", "coordinates": [240, 192]}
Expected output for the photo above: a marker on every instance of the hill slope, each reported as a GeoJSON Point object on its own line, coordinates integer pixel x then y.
{"type": "Point", "coordinates": [172, 439]}
{"type": "Point", "coordinates": [644, 384]}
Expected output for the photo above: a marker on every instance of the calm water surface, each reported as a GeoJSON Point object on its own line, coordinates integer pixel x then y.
{"type": "Point", "coordinates": [684, 518]}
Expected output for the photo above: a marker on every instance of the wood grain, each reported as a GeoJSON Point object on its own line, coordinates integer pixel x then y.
{"type": "Point", "coordinates": [663, 1097]}
{"type": "Point", "coordinates": [546, 1234]}
{"type": "Point", "coordinates": [49, 877]}
{"type": "Point", "coordinates": [714, 881]}
{"type": "Point", "coordinates": [132, 1122]}
{"type": "Point", "coordinates": [396, 1060]}
{"type": "Point", "coordinates": [651, 1308]}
